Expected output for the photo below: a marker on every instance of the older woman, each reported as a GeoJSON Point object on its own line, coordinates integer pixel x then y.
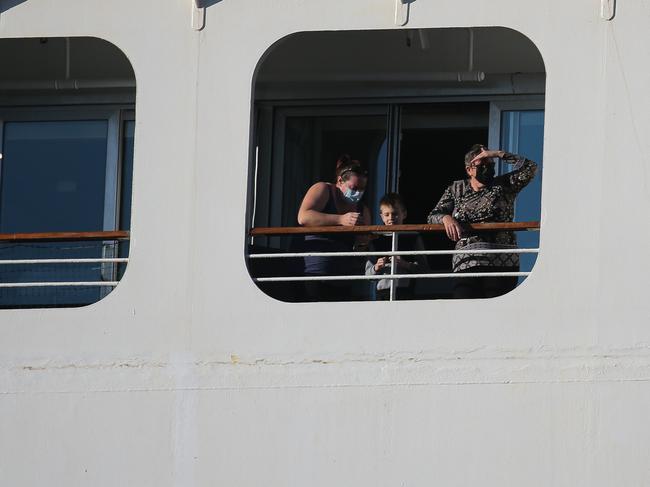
{"type": "Point", "coordinates": [482, 198]}
{"type": "Point", "coordinates": [327, 204]}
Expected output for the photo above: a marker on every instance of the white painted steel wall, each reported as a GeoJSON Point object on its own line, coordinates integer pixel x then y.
{"type": "Point", "coordinates": [188, 375]}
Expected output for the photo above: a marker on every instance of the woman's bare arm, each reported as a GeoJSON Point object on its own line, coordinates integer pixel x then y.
{"type": "Point", "coordinates": [311, 213]}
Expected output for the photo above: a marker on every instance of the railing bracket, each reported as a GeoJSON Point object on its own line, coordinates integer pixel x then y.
{"type": "Point", "coordinates": [198, 15]}
{"type": "Point", "coordinates": [607, 9]}
{"type": "Point", "coordinates": [402, 12]}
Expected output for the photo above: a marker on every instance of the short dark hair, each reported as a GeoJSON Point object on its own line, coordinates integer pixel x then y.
{"type": "Point", "coordinates": [346, 167]}
{"type": "Point", "coordinates": [392, 199]}
{"type": "Point", "coordinates": [474, 151]}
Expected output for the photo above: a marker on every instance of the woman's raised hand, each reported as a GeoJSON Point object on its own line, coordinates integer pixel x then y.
{"type": "Point", "coordinates": [487, 154]}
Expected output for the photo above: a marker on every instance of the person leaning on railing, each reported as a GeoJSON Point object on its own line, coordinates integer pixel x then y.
{"type": "Point", "coordinates": [327, 204]}
{"type": "Point", "coordinates": [483, 198]}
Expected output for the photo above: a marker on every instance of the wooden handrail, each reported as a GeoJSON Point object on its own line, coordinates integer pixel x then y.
{"type": "Point", "coordinates": [426, 228]}
{"type": "Point", "coordinates": [64, 236]}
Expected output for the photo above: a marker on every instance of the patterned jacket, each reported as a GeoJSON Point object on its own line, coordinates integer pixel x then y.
{"type": "Point", "coordinates": [493, 203]}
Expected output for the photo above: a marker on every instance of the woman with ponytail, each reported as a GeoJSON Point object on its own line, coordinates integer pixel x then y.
{"type": "Point", "coordinates": [327, 204]}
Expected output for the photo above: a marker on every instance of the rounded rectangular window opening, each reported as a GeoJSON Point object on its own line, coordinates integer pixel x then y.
{"type": "Point", "coordinates": [67, 121]}
{"type": "Point", "coordinates": [396, 165]}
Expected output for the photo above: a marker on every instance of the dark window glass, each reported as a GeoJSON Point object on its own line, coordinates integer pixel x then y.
{"type": "Point", "coordinates": [53, 176]}
{"type": "Point", "coordinates": [522, 132]}
{"type": "Point", "coordinates": [53, 180]}
{"type": "Point", "coordinates": [127, 175]}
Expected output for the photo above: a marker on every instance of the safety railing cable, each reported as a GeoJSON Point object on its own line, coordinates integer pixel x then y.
{"type": "Point", "coordinates": [45, 242]}
{"type": "Point", "coordinates": [394, 231]}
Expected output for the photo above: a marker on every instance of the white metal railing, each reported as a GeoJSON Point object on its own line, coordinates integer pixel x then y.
{"type": "Point", "coordinates": [58, 284]}
{"type": "Point", "coordinates": [117, 260]}
{"type": "Point", "coordinates": [394, 233]}
{"type": "Point", "coordinates": [391, 253]}
{"type": "Point", "coordinates": [31, 238]}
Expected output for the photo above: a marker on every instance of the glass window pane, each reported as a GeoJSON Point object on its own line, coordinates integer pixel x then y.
{"type": "Point", "coordinates": [53, 179]}
{"type": "Point", "coordinates": [53, 176]}
{"type": "Point", "coordinates": [312, 146]}
{"type": "Point", "coordinates": [305, 152]}
{"type": "Point", "coordinates": [522, 132]}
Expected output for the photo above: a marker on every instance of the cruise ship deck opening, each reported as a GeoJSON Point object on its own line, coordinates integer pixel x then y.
{"type": "Point", "coordinates": [67, 125]}
{"type": "Point", "coordinates": [408, 106]}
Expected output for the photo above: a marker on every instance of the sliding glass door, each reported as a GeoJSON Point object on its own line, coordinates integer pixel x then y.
{"type": "Point", "coordinates": [306, 143]}
{"type": "Point", "coordinates": [518, 127]}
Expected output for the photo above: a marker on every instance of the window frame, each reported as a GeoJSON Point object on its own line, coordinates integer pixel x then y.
{"type": "Point", "coordinates": [116, 116]}
{"type": "Point", "coordinates": [269, 123]}
{"type": "Point", "coordinates": [497, 107]}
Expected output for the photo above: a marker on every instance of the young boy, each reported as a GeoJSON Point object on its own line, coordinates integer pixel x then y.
{"type": "Point", "coordinates": [393, 212]}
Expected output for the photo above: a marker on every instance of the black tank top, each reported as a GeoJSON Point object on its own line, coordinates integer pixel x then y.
{"type": "Point", "coordinates": [335, 266]}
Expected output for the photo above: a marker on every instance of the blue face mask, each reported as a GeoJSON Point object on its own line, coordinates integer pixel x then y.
{"type": "Point", "coordinates": [353, 196]}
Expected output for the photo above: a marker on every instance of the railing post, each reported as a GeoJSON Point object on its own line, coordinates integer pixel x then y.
{"type": "Point", "coordinates": [108, 270]}
{"type": "Point", "coordinates": [393, 265]}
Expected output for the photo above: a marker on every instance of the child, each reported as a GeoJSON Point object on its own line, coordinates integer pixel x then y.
{"type": "Point", "coordinates": [393, 212]}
